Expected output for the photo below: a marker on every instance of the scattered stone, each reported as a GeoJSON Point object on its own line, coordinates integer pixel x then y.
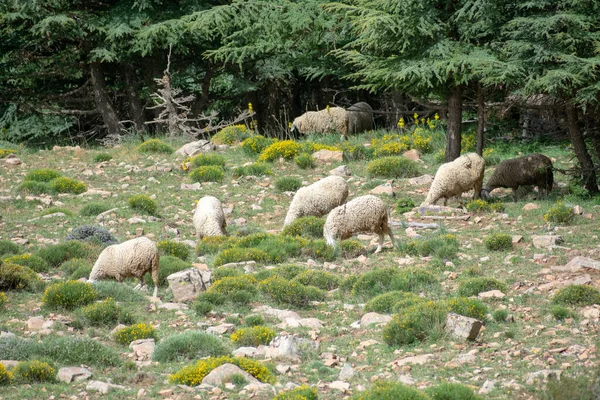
{"type": "Point", "coordinates": [517, 239]}
{"type": "Point", "coordinates": [289, 346]}
{"type": "Point", "coordinates": [530, 206]}
{"type": "Point", "coordinates": [414, 360]}
{"type": "Point", "coordinates": [545, 241]}
{"type": "Point", "coordinates": [195, 148]}
{"type": "Point", "coordinates": [283, 369]}
{"type": "Point", "coordinates": [412, 155]}
{"type": "Point", "coordinates": [35, 323]}
{"type": "Point", "coordinates": [544, 374]}
{"type": "Point", "coordinates": [492, 294]}
{"type": "Point", "coordinates": [70, 374]}
{"type": "Point", "coordinates": [442, 210]}
{"type": "Point", "coordinates": [591, 313]}
{"type": "Point", "coordinates": [374, 318]}
{"type": "Point", "coordinates": [325, 156]}
{"type": "Point", "coordinates": [463, 327]}
{"type": "Point", "coordinates": [386, 188]}
{"type": "Point", "coordinates": [421, 180]}
{"type": "Point", "coordinates": [102, 387]}
{"type": "Point", "coordinates": [487, 387]}
{"type": "Point", "coordinates": [245, 352]}
{"type": "Point", "coordinates": [165, 393]}
{"type": "Point", "coordinates": [9, 364]}
{"type": "Point", "coordinates": [467, 358]}
{"type": "Point", "coordinates": [239, 221]}
{"type": "Point", "coordinates": [191, 186]}
{"type": "Point", "coordinates": [342, 170]}
{"type": "Point", "coordinates": [346, 373]}
{"type": "Point", "coordinates": [313, 323]}
{"type": "Point", "coordinates": [96, 192]}
{"type": "Point", "coordinates": [283, 315]}
{"type": "Point", "coordinates": [223, 373]}
{"type": "Point", "coordinates": [340, 385]}
{"type": "Point", "coordinates": [54, 215]}
{"type": "Point", "coordinates": [142, 349]}
{"type": "Point", "coordinates": [186, 285]}
{"type": "Point", "coordinates": [578, 210]}
{"type": "Point", "coordinates": [173, 306]}
{"type": "Point", "coordinates": [582, 262]}
{"type": "Point", "coordinates": [136, 220]}
{"type": "Point", "coordinates": [221, 329]}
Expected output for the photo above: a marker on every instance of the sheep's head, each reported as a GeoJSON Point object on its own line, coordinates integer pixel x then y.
{"type": "Point", "coordinates": [294, 130]}
{"type": "Point", "coordinates": [485, 194]}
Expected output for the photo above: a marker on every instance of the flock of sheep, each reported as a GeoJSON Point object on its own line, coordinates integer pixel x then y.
{"type": "Point", "coordinates": [369, 214]}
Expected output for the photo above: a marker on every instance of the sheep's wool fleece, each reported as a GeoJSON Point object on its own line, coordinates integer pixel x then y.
{"type": "Point", "coordinates": [318, 199]}
{"type": "Point", "coordinates": [132, 258]}
{"type": "Point", "coordinates": [363, 214]}
{"type": "Point", "coordinates": [458, 176]}
{"type": "Point", "coordinates": [532, 169]}
{"type": "Point", "coordinates": [209, 219]}
{"type": "Point", "coordinates": [332, 120]}
{"type": "Point", "coordinates": [360, 118]}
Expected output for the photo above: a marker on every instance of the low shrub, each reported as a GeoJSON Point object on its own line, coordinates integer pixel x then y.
{"type": "Point", "coordinates": [92, 234]}
{"type": "Point", "coordinates": [560, 312]}
{"type": "Point", "coordinates": [482, 206]}
{"type": "Point", "coordinates": [471, 308]}
{"type": "Point", "coordinates": [202, 308]}
{"type": "Point", "coordinates": [5, 376]}
{"type": "Point", "coordinates": [254, 336]}
{"type": "Point", "coordinates": [238, 254]}
{"type": "Point", "coordinates": [35, 187]}
{"type": "Point", "coordinates": [54, 210]}
{"type": "Point", "coordinates": [6, 152]}
{"type": "Point", "coordinates": [352, 248]}
{"type": "Point", "coordinates": [256, 144]}
{"type": "Point", "coordinates": [287, 184]}
{"type": "Point", "coordinates": [155, 146]}
{"type": "Point", "coordinates": [42, 175]}
{"type": "Point", "coordinates": [93, 209]}
{"type": "Point", "coordinates": [202, 160]}
{"type": "Point", "coordinates": [70, 266]}
{"type": "Point", "coordinates": [34, 262]}
{"type": "Point", "coordinates": [498, 242]}
{"type": "Point", "coordinates": [286, 149]}
{"type": "Point", "coordinates": [299, 393]}
{"type": "Point", "coordinates": [393, 167]}
{"type": "Point", "coordinates": [305, 161]}
{"type": "Point", "coordinates": [441, 246]}
{"type": "Point", "coordinates": [412, 279]}
{"type": "Point", "coordinates": [319, 250]}
{"type": "Point", "coordinates": [391, 390]}
{"type": "Point", "coordinates": [175, 249]}
{"type": "Point", "coordinates": [405, 204]}
{"type": "Point", "coordinates": [18, 277]}
{"type": "Point", "coordinates": [134, 332]}
{"type": "Point", "coordinates": [254, 320]}
{"type": "Point", "coordinates": [189, 345]}
{"type": "Point", "coordinates": [192, 375]}
{"type": "Point", "coordinates": [207, 173]}
{"type": "Point", "coordinates": [577, 295]}
{"type": "Point", "coordinates": [320, 279]}
{"type": "Point", "coordinates": [69, 295]}
{"type": "Point", "coordinates": [210, 245]}
{"type": "Point", "coordinates": [103, 313]}
{"type": "Point", "coordinates": [417, 323]}
{"type": "Point", "coordinates": [229, 285]}
{"type": "Point", "coordinates": [559, 214]}
{"type": "Point", "coordinates": [119, 292]}
{"type": "Point", "coordinates": [143, 203]}
{"type": "Point", "coordinates": [374, 282]}
{"type": "Point", "coordinates": [167, 265]}
{"type": "Point", "coordinates": [3, 302]}
{"type": "Point", "coordinates": [224, 272]}
{"type": "Point", "coordinates": [102, 157]}
{"type": "Point", "coordinates": [231, 135]}
{"type": "Point", "coordinates": [474, 286]}
{"type": "Point", "coordinates": [7, 248]}
{"type": "Point", "coordinates": [57, 254]}
{"type": "Point", "coordinates": [451, 391]}
{"type": "Point", "coordinates": [387, 303]}
{"type": "Point", "coordinates": [500, 315]}
{"type": "Point", "coordinates": [34, 371]}
{"type": "Point", "coordinates": [254, 169]}
{"type": "Point", "coordinates": [290, 292]}
{"type": "Point", "coordinates": [309, 227]}
{"type": "Point", "coordinates": [288, 272]}
{"type": "Point", "coordinates": [68, 185]}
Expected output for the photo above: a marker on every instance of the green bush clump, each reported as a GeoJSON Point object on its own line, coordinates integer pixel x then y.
{"type": "Point", "coordinates": [319, 249]}
{"type": "Point", "coordinates": [577, 295]}
{"type": "Point", "coordinates": [119, 292]}
{"type": "Point", "coordinates": [134, 332]}
{"type": "Point", "coordinates": [309, 227]}
{"type": "Point", "coordinates": [256, 144]}
{"type": "Point", "coordinates": [254, 169]}
{"type": "Point", "coordinates": [92, 234]}
{"type": "Point", "coordinates": [202, 160]}
{"type": "Point", "coordinates": [210, 245]}
{"type": "Point", "coordinates": [441, 246]}
{"type": "Point", "coordinates": [35, 187]}
{"type": "Point", "coordinates": [305, 161]}
{"type": "Point", "coordinates": [34, 371]}
{"type": "Point", "coordinates": [498, 242]}
{"type": "Point", "coordinates": [287, 184]}
{"type": "Point", "coordinates": [286, 149]}
{"type": "Point", "coordinates": [103, 313]}
{"type": "Point", "coordinates": [72, 265]}
{"type": "Point", "coordinates": [300, 393]}
{"type": "Point", "coordinates": [451, 391]}
{"type": "Point", "coordinates": [471, 308]}
{"type": "Point", "coordinates": [55, 255]}
{"type": "Point", "coordinates": [7, 247]}
{"type": "Point", "coordinates": [42, 175]}
{"type": "Point", "coordinates": [288, 272]}
{"type": "Point", "coordinates": [231, 135]}
{"type": "Point", "coordinates": [143, 203]}
{"type": "Point", "coordinates": [93, 209]}
{"type": "Point", "coordinates": [405, 204]}
{"type": "Point", "coordinates": [229, 285]}
{"type": "Point", "coordinates": [202, 308]}
{"type": "Point", "coordinates": [3, 303]}
{"type": "Point", "coordinates": [391, 391]}
{"type": "Point", "coordinates": [352, 248]}
{"type": "Point", "coordinates": [54, 210]}
{"type": "Point", "coordinates": [5, 376]}
{"type": "Point", "coordinates": [68, 185]}
{"type": "Point", "coordinates": [393, 167]}
{"type": "Point", "coordinates": [155, 146]}
{"type": "Point", "coordinates": [18, 277]}
{"type": "Point", "coordinates": [559, 214]}
{"type": "Point", "coordinates": [207, 173]}
{"type": "Point", "coordinates": [175, 249]}
{"type": "Point", "coordinates": [224, 272]}
{"type": "Point", "coordinates": [34, 262]}
{"type": "Point", "coordinates": [102, 157]}
{"type": "Point", "coordinates": [192, 375]}
{"type": "Point", "coordinates": [412, 279]}
{"type": "Point", "coordinates": [189, 345]}
{"type": "Point", "coordinates": [560, 312]}
{"type": "Point", "coordinates": [420, 322]}
{"type": "Point", "coordinates": [254, 320]}
{"type": "Point", "coordinates": [474, 286]}
{"type": "Point", "coordinates": [481, 206]}
{"type": "Point", "coordinates": [238, 254]}
{"type": "Point", "coordinates": [6, 152]}
{"type": "Point", "coordinates": [254, 336]}
{"type": "Point", "coordinates": [320, 279]}
{"type": "Point", "coordinates": [374, 282]}
{"type": "Point", "coordinates": [167, 265]}
{"type": "Point", "coordinates": [289, 292]}
{"type": "Point", "coordinates": [69, 295]}
{"type": "Point", "coordinates": [500, 315]}
{"type": "Point", "coordinates": [391, 302]}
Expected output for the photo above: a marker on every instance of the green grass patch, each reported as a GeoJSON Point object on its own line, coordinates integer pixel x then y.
{"type": "Point", "coordinates": [189, 345]}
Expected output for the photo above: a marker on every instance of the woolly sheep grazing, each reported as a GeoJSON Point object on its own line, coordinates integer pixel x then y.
{"type": "Point", "coordinates": [209, 219]}
{"type": "Point", "coordinates": [330, 120]}
{"type": "Point", "coordinates": [317, 199]}
{"type": "Point", "coordinates": [360, 118]}
{"type": "Point", "coordinates": [454, 178]}
{"type": "Point", "coordinates": [363, 214]}
{"type": "Point", "coordinates": [132, 258]}
{"type": "Point", "coordinates": [533, 169]}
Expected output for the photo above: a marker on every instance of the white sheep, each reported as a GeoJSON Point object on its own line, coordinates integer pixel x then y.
{"type": "Point", "coordinates": [363, 214]}
{"type": "Point", "coordinates": [455, 177]}
{"type": "Point", "coordinates": [317, 199]}
{"type": "Point", "coordinates": [132, 258]}
{"type": "Point", "coordinates": [209, 219]}
{"type": "Point", "coordinates": [329, 120]}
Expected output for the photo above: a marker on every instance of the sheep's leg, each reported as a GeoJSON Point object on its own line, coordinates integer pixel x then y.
{"type": "Point", "coordinates": [389, 232]}
{"type": "Point", "coordinates": [514, 191]}
{"type": "Point", "coordinates": [445, 201]}
{"type": "Point", "coordinates": [380, 245]}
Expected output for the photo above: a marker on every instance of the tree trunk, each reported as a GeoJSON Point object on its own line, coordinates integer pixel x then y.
{"type": "Point", "coordinates": [454, 124]}
{"type": "Point", "coordinates": [587, 165]}
{"type": "Point", "coordinates": [135, 103]}
{"type": "Point", "coordinates": [109, 116]}
{"type": "Point", "coordinates": [200, 104]}
{"type": "Point", "coordinates": [480, 119]}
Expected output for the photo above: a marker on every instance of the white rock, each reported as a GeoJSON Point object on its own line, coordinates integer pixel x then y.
{"type": "Point", "coordinates": [142, 349]}
{"type": "Point", "coordinates": [492, 294]}
{"type": "Point", "coordinates": [342, 170]}
{"type": "Point", "coordinates": [346, 373]}
{"type": "Point", "coordinates": [374, 318]}
{"type": "Point", "coordinates": [102, 387]}
{"type": "Point", "coordinates": [186, 285]}
{"type": "Point", "coordinates": [339, 385]}
{"type": "Point", "coordinates": [463, 327]}
{"type": "Point", "coordinates": [487, 387]}
{"type": "Point", "coordinates": [223, 373]}
{"type": "Point", "coordinates": [70, 374]}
